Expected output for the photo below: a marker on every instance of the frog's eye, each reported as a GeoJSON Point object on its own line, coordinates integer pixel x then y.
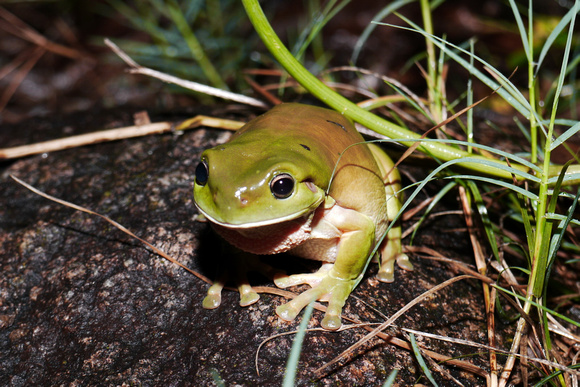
{"type": "Point", "coordinates": [282, 186]}
{"type": "Point", "coordinates": [201, 173]}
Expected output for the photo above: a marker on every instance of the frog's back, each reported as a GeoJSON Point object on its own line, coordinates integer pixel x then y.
{"type": "Point", "coordinates": [324, 133]}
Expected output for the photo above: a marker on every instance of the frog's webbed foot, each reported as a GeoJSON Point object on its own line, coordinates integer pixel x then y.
{"type": "Point", "coordinates": [325, 287]}
{"type": "Point", "coordinates": [237, 269]}
{"type": "Point", "coordinates": [391, 251]}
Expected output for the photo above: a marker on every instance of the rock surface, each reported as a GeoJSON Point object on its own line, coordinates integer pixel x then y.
{"type": "Point", "coordinates": [83, 304]}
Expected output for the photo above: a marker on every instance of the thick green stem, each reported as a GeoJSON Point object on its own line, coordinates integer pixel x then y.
{"type": "Point", "coordinates": [339, 103]}
{"type": "Point", "coordinates": [351, 110]}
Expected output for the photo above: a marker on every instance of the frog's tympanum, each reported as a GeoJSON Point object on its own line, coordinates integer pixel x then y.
{"type": "Point", "coordinates": [300, 179]}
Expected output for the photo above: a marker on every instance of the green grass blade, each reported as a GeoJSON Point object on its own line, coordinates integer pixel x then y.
{"type": "Point", "coordinates": [518, 172]}
{"type": "Point", "coordinates": [292, 364]}
{"type": "Point", "coordinates": [565, 136]}
{"type": "Point", "coordinates": [570, 179]}
{"type": "Point", "coordinates": [435, 200]}
{"type": "Point", "coordinates": [383, 13]}
{"type": "Point", "coordinates": [544, 259]}
{"type": "Point", "coordinates": [522, 29]}
{"type": "Point", "coordinates": [420, 360]}
{"type": "Point", "coordinates": [559, 235]}
{"type": "Point", "coordinates": [195, 47]}
{"type": "Point", "coordinates": [508, 91]}
{"type": "Point", "coordinates": [525, 210]}
{"type": "Point", "coordinates": [420, 185]}
{"type": "Point", "coordinates": [482, 210]}
{"type": "Point", "coordinates": [391, 379]}
{"type": "Point", "coordinates": [348, 108]}
{"type": "Point", "coordinates": [562, 218]}
{"type": "Point", "coordinates": [501, 183]}
{"type": "Point", "coordinates": [410, 100]}
{"type": "Point", "coordinates": [469, 100]}
{"type": "Point", "coordinates": [537, 305]}
{"type": "Point", "coordinates": [553, 35]}
{"type": "Point", "coordinates": [553, 375]}
{"type": "Point", "coordinates": [563, 121]}
{"type": "Point", "coordinates": [309, 33]}
{"type": "Point", "coordinates": [543, 235]}
{"type": "Point", "coordinates": [563, 68]}
{"type": "Point", "coordinates": [556, 190]}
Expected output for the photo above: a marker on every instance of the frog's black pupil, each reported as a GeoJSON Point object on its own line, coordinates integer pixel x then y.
{"type": "Point", "coordinates": [282, 186]}
{"type": "Point", "coordinates": [201, 173]}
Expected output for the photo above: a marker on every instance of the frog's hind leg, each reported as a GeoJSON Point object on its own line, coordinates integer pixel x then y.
{"type": "Point", "coordinates": [391, 247]}
{"type": "Point", "coordinates": [391, 251]}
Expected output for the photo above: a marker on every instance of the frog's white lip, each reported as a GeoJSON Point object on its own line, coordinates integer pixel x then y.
{"type": "Point", "coordinates": [267, 222]}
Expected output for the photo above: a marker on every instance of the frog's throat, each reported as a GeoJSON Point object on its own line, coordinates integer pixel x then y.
{"type": "Point", "coordinates": [269, 239]}
{"type": "Point", "coordinates": [262, 223]}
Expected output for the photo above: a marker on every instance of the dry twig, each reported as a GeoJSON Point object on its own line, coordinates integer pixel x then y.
{"type": "Point", "coordinates": [198, 87]}
{"type": "Point", "coordinates": [116, 134]}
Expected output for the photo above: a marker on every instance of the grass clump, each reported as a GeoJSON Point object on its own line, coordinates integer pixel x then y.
{"type": "Point", "coordinates": [200, 40]}
{"type": "Point", "coordinates": [541, 195]}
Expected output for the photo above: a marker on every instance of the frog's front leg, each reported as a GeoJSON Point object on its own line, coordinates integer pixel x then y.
{"type": "Point", "coordinates": [335, 282]}
{"type": "Point", "coordinates": [238, 264]}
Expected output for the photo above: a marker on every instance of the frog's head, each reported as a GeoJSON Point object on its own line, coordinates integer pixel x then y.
{"type": "Point", "coordinates": [246, 184]}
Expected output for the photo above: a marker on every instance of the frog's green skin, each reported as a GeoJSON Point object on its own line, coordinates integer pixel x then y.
{"type": "Point", "coordinates": [244, 188]}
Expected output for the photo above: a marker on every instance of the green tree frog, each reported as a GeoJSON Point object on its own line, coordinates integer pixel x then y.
{"type": "Point", "coordinates": [300, 179]}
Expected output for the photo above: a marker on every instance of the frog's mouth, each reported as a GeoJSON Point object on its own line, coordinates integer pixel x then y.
{"type": "Point", "coordinates": [218, 219]}
{"type": "Point", "coordinates": [269, 239]}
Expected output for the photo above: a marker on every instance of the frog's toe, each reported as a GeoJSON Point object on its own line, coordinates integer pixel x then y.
{"type": "Point", "coordinates": [335, 290]}
{"type": "Point", "coordinates": [387, 271]}
{"type": "Point", "coordinates": [331, 322]}
{"type": "Point", "coordinates": [214, 297]}
{"type": "Point", "coordinates": [248, 295]}
{"type": "Point", "coordinates": [404, 262]}
{"type": "Point", "coordinates": [290, 310]}
{"type": "Point", "coordinates": [283, 280]}
{"type": "Point", "coordinates": [212, 301]}
{"type": "Point", "coordinates": [336, 299]}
